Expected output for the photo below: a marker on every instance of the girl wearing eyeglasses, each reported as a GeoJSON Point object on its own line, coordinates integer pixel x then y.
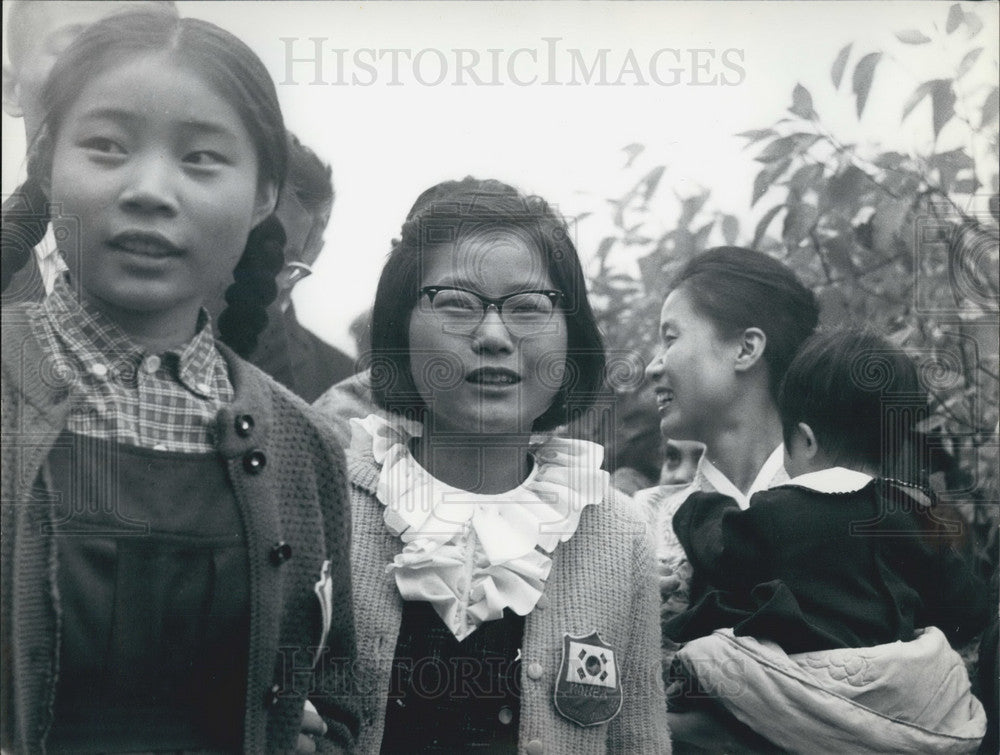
{"type": "Point", "coordinates": [504, 594]}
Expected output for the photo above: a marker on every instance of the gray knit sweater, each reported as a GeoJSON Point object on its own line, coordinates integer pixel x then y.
{"type": "Point", "coordinates": [295, 497]}
{"type": "Point", "coordinates": [602, 579]}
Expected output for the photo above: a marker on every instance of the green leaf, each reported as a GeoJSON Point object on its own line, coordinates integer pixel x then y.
{"type": "Point", "coordinates": [805, 178]}
{"type": "Point", "coordinates": [767, 177]}
{"type": "Point", "coordinates": [912, 37]}
{"type": "Point", "coordinates": [651, 181]}
{"type": "Point", "coordinates": [764, 222]}
{"type": "Point", "coordinates": [845, 187]}
{"type": "Point", "coordinates": [799, 221]}
{"type": "Point", "coordinates": [638, 240]}
{"type": "Point", "coordinates": [863, 73]}
{"type": "Point", "coordinates": [650, 268]}
{"type": "Point", "coordinates": [683, 242]}
{"type": "Point", "coordinates": [890, 160]}
{"type": "Point", "coordinates": [923, 90]}
{"type": "Point", "coordinates": [802, 102]}
{"type": "Point", "coordinates": [955, 17]}
{"type": "Point", "coordinates": [958, 159]}
{"type": "Point", "coordinates": [991, 108]}
{"type": "Point", "coordinates": [839, 64]}
{"type": "Point", "coordinates": [786, 146]}
{"type": "Point", "coordinates": [633, 151]}
{"type": "Point", "coordinates": [691, 207]}
{"type": "Point", "coordinates": [974, 24]}
{"type": "Point", "coordinates": [777, 150]}
{"type": "Point", "coordinates": [605, 246]}
{"type": "Point", "coordinates": [838, 253]}
{"type": "Point", "coordinates": [701, 235]}
{"type": "Point", "coordinates": [943, 101]}
{"type": "Point", "coordinates": [949, 164]}
{"type": "Point", "coordinates": [757, 134]}
{"type": "Point", "coordinates": [968, 61]}
{"type": "Point", "coordinates": [730, 229]}
{"type": "Point", "coordinates": [865, 234]}
{"type": "Point", "coordinates": [965, 185]}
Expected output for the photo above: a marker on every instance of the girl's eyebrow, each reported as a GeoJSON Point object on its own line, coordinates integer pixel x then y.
{"type": "Point", "coordinates": [462, 281]}
{"type": "Point", "coordinates": [123, 114]}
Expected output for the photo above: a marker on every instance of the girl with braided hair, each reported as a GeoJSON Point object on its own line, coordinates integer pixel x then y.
{"type": "Point", "coordinates": [35, 32]}
{"type": "Point", "coordinates": [504, 594]}
{"type": "Point", "coordinates": [179, 581]}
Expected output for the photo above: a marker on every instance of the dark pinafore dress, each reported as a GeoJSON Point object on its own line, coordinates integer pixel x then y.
{"type": "Point", "coordinates": [153, 590]}
{"type": "Point", "coordinates": [447, 696]}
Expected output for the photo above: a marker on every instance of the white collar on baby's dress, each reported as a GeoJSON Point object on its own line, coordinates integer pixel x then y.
{"type": "Point", "coordinates": [832, 480]}
{"type": "Point", "coordinates": [473, 555]}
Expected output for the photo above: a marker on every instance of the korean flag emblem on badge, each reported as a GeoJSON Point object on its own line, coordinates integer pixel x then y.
{"type": "Point", "coordinates": [588, 687]}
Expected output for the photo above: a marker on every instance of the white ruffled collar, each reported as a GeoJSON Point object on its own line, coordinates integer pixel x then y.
{"type": "Point", "coordinates": [473, 555]}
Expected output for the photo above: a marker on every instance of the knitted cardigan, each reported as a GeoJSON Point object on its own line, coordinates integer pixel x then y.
{"type": "Point", "coordinates": [602, 579]}
{"type": "Point", "coordinates": [294, 498]}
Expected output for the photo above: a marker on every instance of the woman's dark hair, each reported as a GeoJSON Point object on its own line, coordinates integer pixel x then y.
{"type": "Point", "coordinates": [860, 395]}
{"type": "Point", "coordinates": [739, 288]}
{"type": "Point", "coordinates": [446, 214]}
{"type": "Point", "coordinates": [235, 72]}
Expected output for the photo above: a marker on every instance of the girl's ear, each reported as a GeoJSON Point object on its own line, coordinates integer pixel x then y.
{"type": "Point", "coordinates": [751, 348]}
{"type": "Point", "coordinates": [11, 93]}
{"type": "Point", "coordinates": [267, 198]}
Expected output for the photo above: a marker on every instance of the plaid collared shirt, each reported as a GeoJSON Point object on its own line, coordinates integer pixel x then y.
{"type": "Point", "coordinates": [164, 401]}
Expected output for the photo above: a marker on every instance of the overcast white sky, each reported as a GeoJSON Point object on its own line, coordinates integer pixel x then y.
{"type": "Point", "coordinates": [522, 110]}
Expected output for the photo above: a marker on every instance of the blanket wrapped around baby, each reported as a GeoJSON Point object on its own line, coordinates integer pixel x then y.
{"type": "Point", "coordinates": [899, 697]}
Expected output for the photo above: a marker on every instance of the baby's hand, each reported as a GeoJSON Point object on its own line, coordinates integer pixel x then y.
{"type": "Point", "coordinates": [668, 585]}
{"type": "Point", "coordinates": [667, 578]}
{"type": "Point", "coordinates": [674, 579]}
{"type": "Point", "coordinates": [312, 726]}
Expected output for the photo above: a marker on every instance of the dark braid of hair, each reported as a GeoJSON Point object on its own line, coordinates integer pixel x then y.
{"type": "Point", "coordinates": [253, 289]}
{"type": "Point", "coordinates": [25, 218]}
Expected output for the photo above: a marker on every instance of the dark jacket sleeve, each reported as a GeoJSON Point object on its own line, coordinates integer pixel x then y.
{"type": "Point", "coordinates": [724, 544]}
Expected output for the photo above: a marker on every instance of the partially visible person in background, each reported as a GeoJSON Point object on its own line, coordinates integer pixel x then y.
{"type": "Point", "coordinates": [634, 450]}
{"type": "Point", "coordinates": [352, 397]}
{"type": "Point", "coordinates": [639, 456]}
{"type": "Point", "coordinates": [36, 32]}
{"type": "Point", "coordinates": [361, 331]}
{"type": "Point", "coordinates": [286, 350]}
{"type": "Point", "coordinates": [680, 461]}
